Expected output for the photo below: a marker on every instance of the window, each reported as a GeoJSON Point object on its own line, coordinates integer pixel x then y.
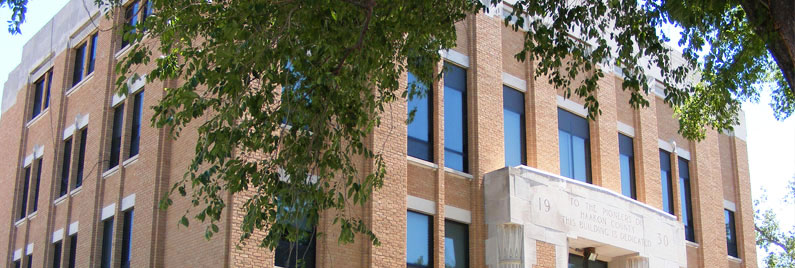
{"type": "Point", "coordinates": [126, 238]}
{"type": "Point", "coordinates": [577, 261]}
{"type": "Point", "coordinates": [17, 264]}
{"type": "Point", "coordinates": [81, 158]}
{"type": "Point", "coordinates": [107, 243]}
{"type": "Point", "coordinates": [56, 255]}
{"type": "Point", "coordinates": [25, 188]}
{"type": "Point", "coordinates": [687, 205]}
{"type": "Point", "coordinates": [456, 245]}
{"type": "Point", "coordinates": [514, 126]}
{"type": "Point", "coordinates": [455, 118]}
{"type": "Point", "coordinates": [300, 253]}
{"type": "Point", "coordinates": [419, 235]}
{"type": "Point", "coordinates": [731, 234]}
{"type": "Point", "coordinates": [41, 94]}
{"type": "Point", "coordinates": [420, 143]}
{"type": "Point", "coordinates": [72, 251]}
{"type": "Point", "coordinates": [65, 165]}
{"type": "Point", "coordinates": [85, 57]}
{"type": "Point", "coordinates": [575, 151]}
{"type": "Point", "coordinates": [35, 200]}
{"type": "Point", "coordinates": [30, 261]}
{"type": "Point", "coordinates": [130, 20]}
{"type": "Point", "coordinates": [115, 142]}
{"type": "Point", "coordinates": [626, 160]}
{"type": "Point", "coordinates": [665, 182]}
{"type": "Point", "coordinates": [135, 136]}
{"type": "Point", "coordinates": [147, 10]}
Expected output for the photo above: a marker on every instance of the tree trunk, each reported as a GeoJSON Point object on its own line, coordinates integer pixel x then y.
{"type": "Point", "coordinates": [774, 20]}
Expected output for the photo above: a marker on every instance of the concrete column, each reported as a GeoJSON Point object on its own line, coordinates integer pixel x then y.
{"type": "Point", "coordinates": [510, 245]}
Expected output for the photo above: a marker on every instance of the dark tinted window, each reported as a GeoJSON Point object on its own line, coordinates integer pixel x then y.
{"type": "Point", "coordinates": [115, 142]}
{"type": "Point", "coordinates": [577, 261]}
{"type": "Point", "coordinates": [47, 90]}
{"type": "Point", "coordinates": [455, 118]}
{"type": "Point", "coordinates": [25, 188]}
{"type": "Point", "coordinates": [514, 126]}
{"type": "Point", "coordinates": [80, 56]}
{"type": "Point", "coordinates": [731, 234]}
{"type": "Point", "coordinates": [131, 19]}
{"type": "Point", "coordinates": [81, 157]}
{"type": "Point", "coordinates": [419, 235]}
{"type": "Point", "coordinates": [72, 251]}
{"type": "Point", "coordinates": [665, 182]}
{"type": "Point", "coordinates": [107, 243]}
{"type": "Point", "coordinates": [456, 245]}
{"type": "Point", "coordinates": [684, 195]}
{"type": "Point", "coordinates": [92, 54]}
{"type": "Point", "coordinates": [575, 149]}
{"type": "Point", "coordinates": [65, 164]}
{"type": "Point", "coordinates": [38, 94]}
{"type": "Point", "coordinates": [135, 136]}
{"type": "Point", "coordinates": [298, 254]}
{"type": "Point", "coordinates": [56, 255]}
{"type": "Point", "coordinates": [17, 264]}
{"type": "Point", "coordinates": [419, 130]}
{"type": "Point", "coordinates": [30, 261]}
{"type": "Point", "coordinates": [626, 158]}
{"type": "Point", "coordinates": [35, 201]}
{"type": "Point", "coordinates": [126, 239]}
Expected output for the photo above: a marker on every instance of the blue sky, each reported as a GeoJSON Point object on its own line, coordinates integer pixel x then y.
{"type": "Point", "coordinates": [771, 143]}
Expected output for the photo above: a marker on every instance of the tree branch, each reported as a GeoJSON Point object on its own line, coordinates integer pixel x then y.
{"type": "Point", "coordinates": [369, 6]}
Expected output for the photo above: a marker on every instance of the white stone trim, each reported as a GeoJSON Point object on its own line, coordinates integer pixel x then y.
{"type": "Point", "coordinates": [38, 151]}
{"type": "Point", "coordinates": [729, 205]}
{"type": "Point", "coordinates": [81, 31]}
{"type": "Point", "coordinates": [117, 98]}
{"type": "Point", "coordinates": [665, 145]}
{"type": "Point", "coordinates": [28, 160]}
{"type": "Point", "coordinates": [69, 131]}
{"type": "Point", "coordinates": [108, 211]}
{"type": "Point", "coordinates": [572, 106]}
{"type": "Point", "coordinates": [740, 130]}
{"type": "Point", "coordinates": [457, 214]}
{"type": "Point", "coordinates": [57, 235]}
{"type": "Point", "coordinates": [41, 68]}
{"type": "Point", "coordinates": [421, 205]}
{"type": "Point", "coordinates": [681, 152]}
{"type": "Point", "coordinates": [17, 254]}
{"type": "Point", "coordinates": [81, 120]}
{"type": "Point", "coordinates": [514, 82]}
{"type": "Point", "coordinates": [128, 202]}
{"type": "Point", "coordinates": [625, 129]}
{"type": "Point", "coordinates": [73, 228]}
{"type": "Point", "coordinates": [420, 162]}
{"type": "Point", "coordinates": [458, 173]}
{"type": "Point", "coordinates": [137, 85]}
{"type": "Point", "coordinates": [29, 249]}
{"type": "Point", "coordinates": [455, 57]}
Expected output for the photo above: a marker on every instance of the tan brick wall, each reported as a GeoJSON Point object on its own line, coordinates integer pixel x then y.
{"type": "Point", "coordinates": [545, 255]}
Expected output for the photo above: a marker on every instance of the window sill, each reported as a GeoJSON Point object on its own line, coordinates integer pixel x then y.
{"type": "Point", "coordinates": [75, 191]}
{"type": "Point", "coordinates": [36, 119]}
{"type": "Point", "coordinates": [60, 200]}
{"type": "Point", "coordinates": [130, 160]}
{"type": "Point", "coordinates": [19, 222]}
{"type": "Point", "coordinates": [111, 171]}
{"type": "Point", "coordinates": [122, 51]}
{"type": "Point", "coordinates": [79, 84]}
{"type": "Point", "coordinates": [692, 244]}
{"type": "Point", "coordinates": [458, 173]}
{"type": "Point", "coordinates": [420, 162]}
{"type": "Point", "coordinates": [735, 259]}
{"type": "Point", "coordinates": [33, 215]}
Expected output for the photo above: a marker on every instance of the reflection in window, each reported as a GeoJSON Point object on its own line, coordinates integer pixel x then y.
{"type": "Point", "coordinates": [66, 163]}
{"type": "Point", "coordinates": [731, 234]}
{"type": "Point", "coordinates": [455, 118]}
{"type": "Point", "coordinates": [627, 162]}
{"type": "Point", "coordinates": [456, 245]}
{"type": "Point", "coordinates": [56, 254]}
{"type": "Point", "coordinates": [115, 141]}
{"type": "Point", "coordinates": [514, 127]}
{"type": "Point", "coordinates": [126, 238]}
{"type": "Point", "coordinates": [575, 151]}
{"type": "Point", "coordinates": [684, 195]}
{"type": "Point", "coordinates": [300, 253]}
{"type": "Point", "coordinates": [419, 130]}
{"type": "Point", "coordinates": [25, 188]}
{"type": "Point", "coordinates": [135, 131]}
{"type": "Point", "coordinates": [107, 243]}
{"type": "Point", "coordinates": [419, 237]}
{"type": "Point", "coordinates": [666, 183]}
{"type": "Point", "coordinates": [577, 261]}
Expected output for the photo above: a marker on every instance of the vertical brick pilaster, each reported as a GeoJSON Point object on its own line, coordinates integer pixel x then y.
{"type": "Point", "coordinates": [708, 202]}
{"type": "Point", "coordinates": [647, 159]}
{"type": "Point", "coordinates": [746, 244]}
{"type": "Point", "coordinates": [604, 139]}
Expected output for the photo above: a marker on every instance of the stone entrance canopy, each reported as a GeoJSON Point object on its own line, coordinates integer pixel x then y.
{"type": "Point", "coordinates": [534, 216]}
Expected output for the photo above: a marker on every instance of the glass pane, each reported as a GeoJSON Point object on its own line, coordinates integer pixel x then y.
{"type": "Point", "coordinates": [81, 157]}
{"type": "Point", "coordinates": [577, 261]}
{"type": "Point", "coordinates": [72, 251]}
{"type": "Point", "coordinates": [35, 200]}
{"type": "Point", "coordinates": [126, 240]}
{"type": "Point", "coordinates": [418, 240]}
{"type": "Point", "coordinates": [455, 117]}
{"type": "Point", "coordinates": [135, 137]}
{"type": "Point", "coordinates": [627, 162]}
{"type": "Point", "coordinates": [686, 203]}
{"type": "Point", "coordinates": [115, 146]}
{"type": "Point", "coordinates": [456, 245]}
{"type": "Point", "coordinates": [514, 142]}
{"type": "Point", "coordinates": [731, 235]}
{"type": "Point", "coordinates": [37, 95]}
{"type": "Point", "coordinates": [626, 180]}
{"type": "Point", "coordinates": [579, 147]}
{"type": "Point", "coordinates": [80, 55]}
{"type": "Point", "coordinates": [565, 154]}
{"type": "Point", "coordinates": [454, 160]}
{"type": "Point", "coordinates": [66, 163]}
{"type": "Point", "coordinates": [419, 130]}
{"type": "Point", "coordinates": [56, 255]}
{"type": "Point", "coordinates": [665, 182]}
{"type": "Point", "coordinates": [107, 243]}
{"type": "Point", "coordinates": [92, 56]}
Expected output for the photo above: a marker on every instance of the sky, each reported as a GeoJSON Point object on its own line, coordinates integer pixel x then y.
{"type": "Point", "coordinates": [771, 143]}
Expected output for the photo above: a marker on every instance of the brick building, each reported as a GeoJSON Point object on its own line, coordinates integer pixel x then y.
{"type": "Point", "coordinates": [624, 190]}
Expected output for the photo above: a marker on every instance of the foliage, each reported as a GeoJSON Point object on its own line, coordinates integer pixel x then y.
{"type": "Point", "coordinates": [778, 243]}
{"type": "Point", "coordinates": [18, 9]}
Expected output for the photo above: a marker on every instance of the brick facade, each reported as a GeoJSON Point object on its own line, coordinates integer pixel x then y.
{"type": "Point", "coordinates": [718, 165]}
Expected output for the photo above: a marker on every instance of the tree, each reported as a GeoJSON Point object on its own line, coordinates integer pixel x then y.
{"type": "Point", "coordinates": [287, 92]}
{"type": "Point", "coordinates": [778, 243]}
